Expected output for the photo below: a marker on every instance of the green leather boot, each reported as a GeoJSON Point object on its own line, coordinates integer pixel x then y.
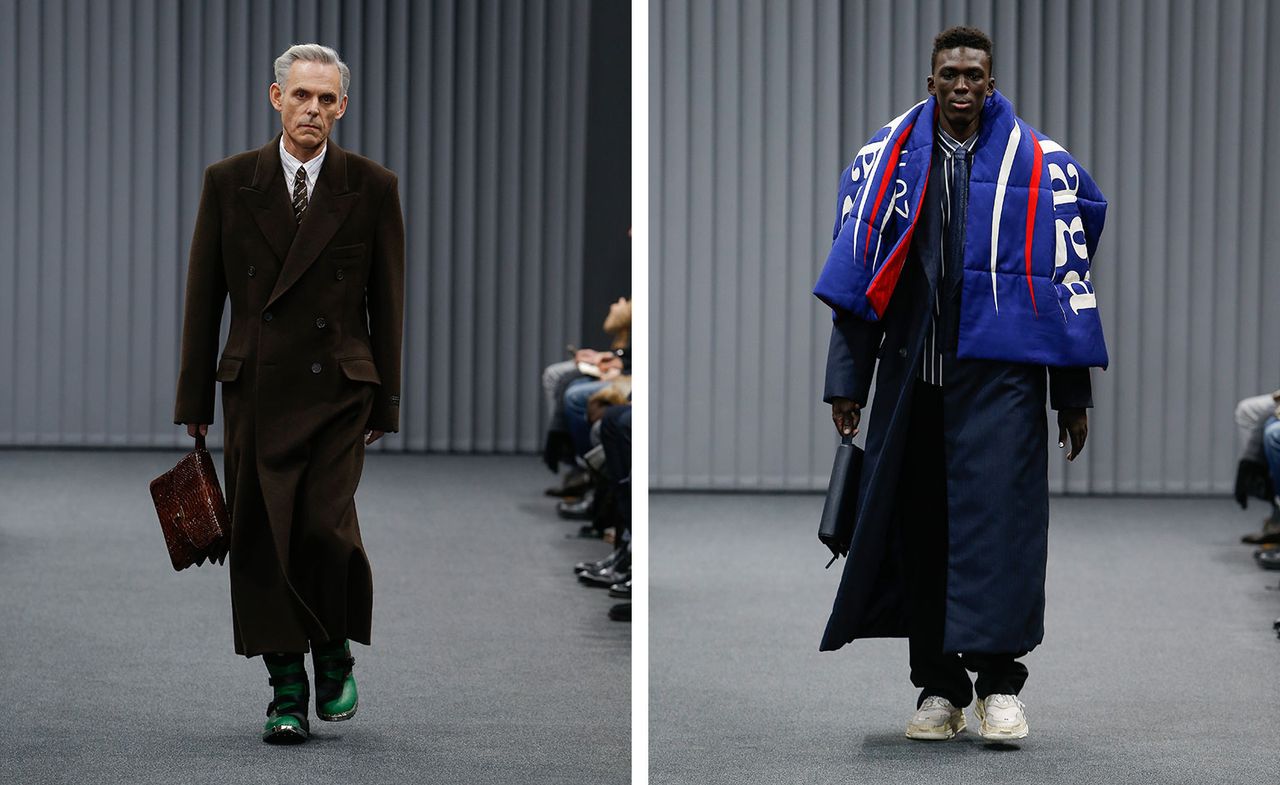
{"type": "Point", "coordinates": [336, 698]}
{"type": "Point", "coordinates": [287, 714]}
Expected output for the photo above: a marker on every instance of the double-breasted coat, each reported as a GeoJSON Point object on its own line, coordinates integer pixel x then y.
{"type": "Point", "coordinates": [995, 448]}
{"type": "Point", "coordinates": [312, 360]}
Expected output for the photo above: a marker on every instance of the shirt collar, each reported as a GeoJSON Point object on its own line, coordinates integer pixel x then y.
{"type": "Point", "coordinates": [291, 164]}
{"type": "Point", "coordinates": [949, 143]}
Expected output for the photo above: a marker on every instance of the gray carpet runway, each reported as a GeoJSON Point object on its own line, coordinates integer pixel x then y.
{"type": "Point", "coordinates": [1159, 664]}
{"type": "Point", "coordinates": [490, 664]}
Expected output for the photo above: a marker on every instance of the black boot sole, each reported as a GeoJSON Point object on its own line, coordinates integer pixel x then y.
{"type": "Point", "coordinates": [287, 735]}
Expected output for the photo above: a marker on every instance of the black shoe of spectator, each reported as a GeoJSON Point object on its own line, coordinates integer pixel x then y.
{"type": "Point", "coordinates": [1267, 559]}
{"type": "Point", "coordinates": [603, 579]}
{"type": "Point", "coordinates": [583, 509]}
{"type": "Point", "coordinates": [621, 612]}
{"type": "Point", "coordinates": [575, 482]}
{"type": "Point", "coordinates": [621, 590]}
{"type": "Point", "coordinates": [595, 566]}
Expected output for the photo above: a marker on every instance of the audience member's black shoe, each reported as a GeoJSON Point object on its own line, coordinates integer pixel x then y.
{"type": "Point", "coordinates": [603, 579]}
{"type": "Point", "coordinates": [575, 482]}
{"type": "Point", "coordinates": [594, 566]}
{"type": "Point", "coordinates": [1268, 559]}
{"type": "Point", "coordinates": [581, 510]}
{"type": "Point", "coordinates": [621, 590]}
{"type": "Point", "coordinates": [587, 531]}
{"type": "Point", "coordinates": [621, 612]}
{"type": "Point", "coordinates": [1270, 533]}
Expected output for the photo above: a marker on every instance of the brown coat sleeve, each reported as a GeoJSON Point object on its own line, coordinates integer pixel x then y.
{"type": "Point", "coordinates": [384, 297]}
{"type": "Point", "coordinates": [202, 319]}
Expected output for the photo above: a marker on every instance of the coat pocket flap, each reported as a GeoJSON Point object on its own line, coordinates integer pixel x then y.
{"type": "Point", "coordinates": [360, 369]}
{"type": "Point", "coordinates": [345, 252]}
{"type": "Point", "coordinates": [229, 369]}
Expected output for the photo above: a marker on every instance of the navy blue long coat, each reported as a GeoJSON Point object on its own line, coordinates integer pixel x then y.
{"type": "Point", "coordinates": [995, 431]}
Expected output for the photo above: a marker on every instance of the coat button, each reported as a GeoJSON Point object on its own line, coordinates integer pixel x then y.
{"type": "Point", "coordinates": [252, 271]}
{"type": "Point", "coordinates": [315, 367]}
{"type": "Point", "coordinates": [266, 317]}
{"type": "Point", "coordinates": [321, 322]}
{"type": "Point", "coordinates": [340, 274]}
{"type": "Point", "coordinates": [902, 352]}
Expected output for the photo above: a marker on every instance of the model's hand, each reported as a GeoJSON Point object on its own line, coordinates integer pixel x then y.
{"type": "Point", "coordinates": [192, 428]}
{"type": "Point", "coordinates": [589, 356]}
{"type": "Point", "coordinates": [846, 415]}
{"type": "Point", "coordinates": [372, 436]}
{"type": "Point", "coordinates": [1073, 424]}
{"type": "Point", "coordinates": [1275, 396]}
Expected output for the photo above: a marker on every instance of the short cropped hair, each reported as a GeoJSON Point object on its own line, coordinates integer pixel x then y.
{"type": "Point", "coordinates": [311, 53]}
{"type": "Point", "coordinates": [955, 37]}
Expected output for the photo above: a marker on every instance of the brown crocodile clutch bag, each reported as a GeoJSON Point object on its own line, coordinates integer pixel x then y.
{"type": "Point", "coordinates": [193, 516]}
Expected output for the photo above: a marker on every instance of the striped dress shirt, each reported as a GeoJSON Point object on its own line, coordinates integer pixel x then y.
{"type": "Point", "coordinates": [931, 361]}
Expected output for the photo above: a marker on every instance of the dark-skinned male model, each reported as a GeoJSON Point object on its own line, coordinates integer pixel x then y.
{"type": "Point", "coordinates": [306, 240]}
{"type": "Point", "coordinates": [959, 278]}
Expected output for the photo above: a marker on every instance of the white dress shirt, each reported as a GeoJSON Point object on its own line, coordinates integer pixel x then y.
{"type": "Point", "coordinates": [291, 165]}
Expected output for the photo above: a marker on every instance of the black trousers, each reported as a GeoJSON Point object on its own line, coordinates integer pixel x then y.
{"type": "Point", "coordinates": [922, 501]}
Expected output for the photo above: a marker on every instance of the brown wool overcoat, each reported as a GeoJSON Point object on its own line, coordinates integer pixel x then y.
{"type": "Point", "coordinates": [312, 360]}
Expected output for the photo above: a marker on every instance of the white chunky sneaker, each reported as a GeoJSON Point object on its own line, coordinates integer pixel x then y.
{"type": "Point", "coordinates": [936, 719]}
{"type": "Point", "coordinates": [1001, 718]}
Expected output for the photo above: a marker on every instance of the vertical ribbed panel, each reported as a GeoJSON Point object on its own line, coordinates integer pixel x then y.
{"type": "Point", "coordinates": [756, 106]}
{"type": "Point", "coordinates": [479, 107]}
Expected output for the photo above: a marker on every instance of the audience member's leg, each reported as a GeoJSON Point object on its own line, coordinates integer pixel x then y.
{"type": "Point", "coordinates": [1251, 414]}
{"type": "Point", "coordinates": [575, 412]}
{"type": "Point", "coordinates": [551, 384]}
{"type": "Point", "coordinates": [615, 435]}
{"type": "Point", "coordinates": [1271, 449]}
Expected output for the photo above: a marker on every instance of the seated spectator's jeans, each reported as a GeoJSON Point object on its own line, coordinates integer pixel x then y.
{"type": "Point", "coordinates": [575, 412]}
{"type": "Point", "coordinates": [1271, 449]}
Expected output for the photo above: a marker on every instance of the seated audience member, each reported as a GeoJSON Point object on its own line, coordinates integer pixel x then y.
{"type": "Point", "coordinates": [557, 378]}
{"type": "Point", "coordinates": [584, 405]}
{"type": "Point", "coordinates": [1253, 476]}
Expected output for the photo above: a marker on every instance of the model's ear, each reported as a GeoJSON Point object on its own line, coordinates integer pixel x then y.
{"type": "Point", "coordinates": [991, 86]}
{"type": "Point", "coordinates": [276, 95]}
{"type": "Point", "coordinates": [342, 108]}
{"type": "Point", "coordinates": [929, 84]}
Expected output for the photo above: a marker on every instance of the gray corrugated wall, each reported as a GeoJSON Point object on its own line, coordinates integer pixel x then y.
{"type": "Point", "coordinates": [116, 108]}
{"type": "Point", "coordinates": [757, 105]}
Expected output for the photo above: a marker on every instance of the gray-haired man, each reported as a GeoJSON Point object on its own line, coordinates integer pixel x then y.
{"type": "Point", "coordinates": [307, 241]}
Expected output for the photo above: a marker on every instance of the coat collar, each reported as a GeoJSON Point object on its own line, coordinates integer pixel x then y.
{"type": "Point", "coordinates": [298, 245]}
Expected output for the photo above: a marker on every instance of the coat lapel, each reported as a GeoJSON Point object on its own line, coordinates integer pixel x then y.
{"type": "Point", "coordinates": [929, 238]}
{"type": "Point", "coordinates": [330, 204]}
{"type": "Point", "coordinates": [268, 200]}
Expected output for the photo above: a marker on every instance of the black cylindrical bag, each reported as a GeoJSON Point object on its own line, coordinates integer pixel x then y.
{"type": "Point", "coordinates": [835, 530]}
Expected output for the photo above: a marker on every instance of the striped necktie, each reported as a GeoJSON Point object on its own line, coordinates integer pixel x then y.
{"type": "Point", "coordinates": [300, 193]}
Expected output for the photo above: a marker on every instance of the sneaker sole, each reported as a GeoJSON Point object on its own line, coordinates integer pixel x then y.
{"type": "Point", "coordinates": [1004, 735]}
{"type": "Point", "coordinates": [933, 734]}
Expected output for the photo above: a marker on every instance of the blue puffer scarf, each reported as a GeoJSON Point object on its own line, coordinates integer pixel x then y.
{"type": "Point", "coordinates": [1032, 227]}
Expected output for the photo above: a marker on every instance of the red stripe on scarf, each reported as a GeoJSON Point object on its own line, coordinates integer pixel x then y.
{"type": "Point", "coordinates": [886, 279]}
{"type": "Point", "coordinates": [1032, 197]}
{"type": "Point", "coordinates": [889, 168]}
